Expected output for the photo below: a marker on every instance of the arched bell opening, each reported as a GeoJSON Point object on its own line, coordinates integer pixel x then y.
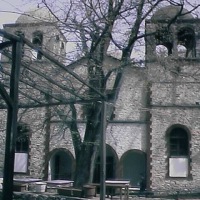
{"type": "Point", "coordinates": [186, 38]}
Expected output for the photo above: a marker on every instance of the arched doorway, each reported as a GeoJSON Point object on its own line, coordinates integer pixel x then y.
{"type": "Point", "coordinates": [111, 162]}
{"type": "Point", "coordinates": [61, 165]}
{"type": "Point", "coordinates": [133, 164]}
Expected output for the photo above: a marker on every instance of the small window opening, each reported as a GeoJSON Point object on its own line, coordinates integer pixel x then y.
{"type": "Point", "coordinates": [62, 45]}
{"type": "Point", "coordinates": [37, 41]}
{"type": "Point", "coordinates": [57, 38]}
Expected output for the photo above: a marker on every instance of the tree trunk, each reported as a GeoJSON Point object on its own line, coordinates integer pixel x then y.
{"type": "Point", "coordinates": [83, 166]}
{"type": "Point", "coordinates": [85, 161]}
{"type": "Point", "coordinates": [46, 141]}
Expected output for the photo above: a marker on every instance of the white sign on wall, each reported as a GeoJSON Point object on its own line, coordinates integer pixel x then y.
{"type": "Point", "coordinates": [178, 167]}
{"type": "Point", "coordinates": [21, 162]}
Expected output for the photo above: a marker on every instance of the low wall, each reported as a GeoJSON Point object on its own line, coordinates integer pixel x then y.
{"type": "Point", "coordinates": [39, 196]}
{"type": "Point", "coordinates": [51, 196]}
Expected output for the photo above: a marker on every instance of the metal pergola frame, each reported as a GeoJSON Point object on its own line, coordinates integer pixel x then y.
{"type": "Point", "coordinates": [11, 102]}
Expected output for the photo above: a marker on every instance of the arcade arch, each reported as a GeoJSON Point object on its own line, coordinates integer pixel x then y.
{"type": "Point", "coordinates": [61, 165]}
{"type": "Point", "coordinates": [133, 166]}
{"type": "Point", "coordinates": [111, 165]}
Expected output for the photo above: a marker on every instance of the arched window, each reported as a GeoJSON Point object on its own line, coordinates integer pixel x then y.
{"type": "Point", "coordinates": [178, 152]}
{"type": "Point", "coordinates": [21, 149]}
{"type": "Point", "coordinates": [22, 140]}
{"type": "Point", "coordinates": [37, 41]}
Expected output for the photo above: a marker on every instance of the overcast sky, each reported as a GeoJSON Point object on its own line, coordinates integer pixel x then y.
{"type": "Point", "coordinates": [19, 6]}
{"type": "Point", "coordinates": [9, 6]}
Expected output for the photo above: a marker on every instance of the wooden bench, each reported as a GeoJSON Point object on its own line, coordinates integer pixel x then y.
{"type": "Point", "coordinates": [20, 187]}
{"type": "Point", "coordinates": [70, 191]}
{"type": "Point", "coordinates": [116, 185]}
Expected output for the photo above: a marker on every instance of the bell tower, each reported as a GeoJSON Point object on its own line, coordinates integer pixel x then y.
{"type": "Point", "coordinates": [174, 32]}
{"type": "Point", "coordinates": [172, 61]}
{"type": "Point", "coordinates": [40, 27]}
{"type": "Point", "coordinates": [38, 75]}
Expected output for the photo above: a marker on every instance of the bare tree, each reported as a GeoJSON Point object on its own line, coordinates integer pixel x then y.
{"type": "Point", "coordinates": [98, 27]}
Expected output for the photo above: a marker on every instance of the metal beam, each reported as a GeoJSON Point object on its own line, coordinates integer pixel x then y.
{"type": "Point", "coordinates": [11, 130]}
{"type": "Point", "coordinates": [14, 38]}
{"type": "Point", "coordinates": [34, 86]}
{"type": "Point", "coordinates": [52, 104]}
{"type": "Point", "coordinates": [50, 80]}
{"type": "Point", "coordinates": [26, 95]}
{"type": "Point", "coordinates": [103, 152]}
{"type": "Point", "coordinates": [5, 44]}
{"type": "Point", "coordinates": [5, 95]}
{"type": "Point", "coordinates": [62, 66]}
{"type": "Point", "coordinates": [9, 36]}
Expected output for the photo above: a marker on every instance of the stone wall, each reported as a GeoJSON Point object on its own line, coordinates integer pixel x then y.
{"type": "Point", "coordinates": [132, 95]}
{"type": "Point", "coordinates": [3, 116]}
{"type": "Point", "coordinates": [127, 132]}
{"type": "Point", "coordinates": [174, 100]}
{"type": "Point", "coordinates": [174, 103]}
{"type": "Point", "coordinates": [41, 196]}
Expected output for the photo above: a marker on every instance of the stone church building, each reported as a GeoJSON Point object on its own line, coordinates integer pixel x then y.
{"type": "Point", "coordinates": [155, 131]}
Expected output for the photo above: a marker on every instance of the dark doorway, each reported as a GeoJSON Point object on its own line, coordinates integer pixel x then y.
{"type": "Point", "coordinates": [133, 164]}
{"type": "Point", "coordinates": [61, 164]}
{"type": "Point", "coordinates": [111, 160]}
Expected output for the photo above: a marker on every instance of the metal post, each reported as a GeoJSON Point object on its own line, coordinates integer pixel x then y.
{"type": "Point", "coordinates": [11, 130]}
{"type": "Point", "coordinates": [103, 152]}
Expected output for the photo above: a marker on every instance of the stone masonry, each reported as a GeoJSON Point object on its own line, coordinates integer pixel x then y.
{"type": "Point", "coordinates": [152, 101]}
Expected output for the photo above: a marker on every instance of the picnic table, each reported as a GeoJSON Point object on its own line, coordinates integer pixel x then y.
{"type": "Point", "coordinates": [53, 185]}
{"type": "Point", "coordinates": [60, 183]}
{"type": "Point", "coordinates": [26, 180]}
{"type": "Point", "coordinates": [23, 184]}
{"type": "Point", "coordinates": [122, 185]}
